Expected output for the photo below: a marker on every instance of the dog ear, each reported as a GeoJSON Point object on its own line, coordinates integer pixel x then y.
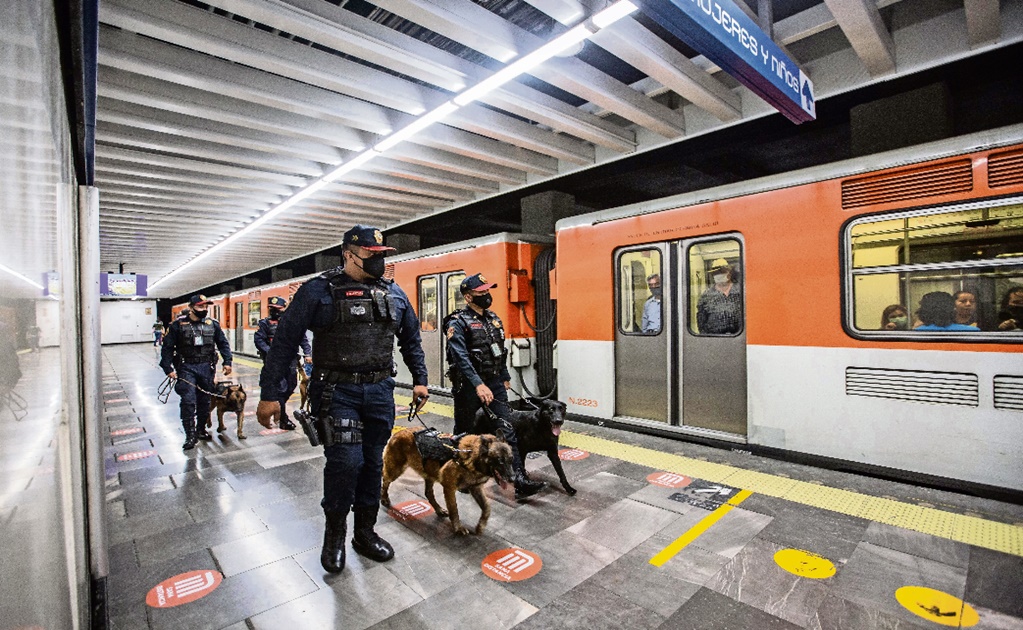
{"type": "Point", "coordinates": [485, 443]}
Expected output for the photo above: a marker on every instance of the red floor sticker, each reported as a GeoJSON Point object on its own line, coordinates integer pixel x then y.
{"type": "Point", "coordinates": [410, 510]}
{"type": "Point", "coordinates": [273, 431]}
{"type": "Point", "coordinates": [127, 457]}
{"type": "Point", "coordinates": [127, 431]}
{"type": "Point", "coordinates": [669, 480]}
{"type": "Point", "coordinates": [572, 454]}
{"type": "Point", "coordinates": [183, 588]}
{"type": "Point", "coordinates": [511, 565]}
{"type": "Point", "coordinates": [115, 400]}
{"type": "Point", "coordinates": [400, 409]}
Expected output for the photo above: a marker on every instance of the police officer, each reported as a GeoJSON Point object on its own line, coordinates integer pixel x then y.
{"type": "Point", "coordinates": [190, 357]}
{"type": "Point", "coordinates": [355, 315]}
{"type": "Point", "coordinates": [265, 331]}
{"type": "Point", "coordinates": [479, 371]}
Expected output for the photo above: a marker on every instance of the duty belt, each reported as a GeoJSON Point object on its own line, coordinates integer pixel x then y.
{"type": "Point", "coordinates": [196, 360]}
{"type": "Point", "coordinates": [357, 378]}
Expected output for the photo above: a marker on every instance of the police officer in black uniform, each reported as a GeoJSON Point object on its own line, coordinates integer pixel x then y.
{"type": "Point", "coordinates": [479, 372]}
{"type": "Point", "coordinates": [266, 328]}
{"type": "Point", "coordinates": [355, 315]}
{"type": "Point", "coordinates": [189, 355]}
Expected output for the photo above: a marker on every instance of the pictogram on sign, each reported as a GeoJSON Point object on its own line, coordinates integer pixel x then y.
{"type": "Point", "coordinates": [511, 565]}
{"type": "Point", "coordinates": [572, 454]}
{"type": "Point", "coordinates": [126, 431]}
{"type": "Point", "coordinates": [129, 457]}
{"type": "Point", "coordinates": [273, 431]}
{"type": "Point", "coordinates": [669, 480]}
{"type": "Point", "coordinates": [410, 510]}
{"type": "Point", "coordinates": [183, 588]}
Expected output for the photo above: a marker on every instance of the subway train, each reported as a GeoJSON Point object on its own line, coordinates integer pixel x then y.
{"type": "Point", "coordinates": [767, 334]}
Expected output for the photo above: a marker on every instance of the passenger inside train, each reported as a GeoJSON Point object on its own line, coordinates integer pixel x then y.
{"type": "Point", "coordinates": [937, 312]}
{"type": "Point", "coordinates": [651, 322]}
{"type": "Point", "coordinates": [1010, 317]}
{"type": "Point", "coordinates": [895, 317]}
{"type": "Point", "coordinates": [719, 311]}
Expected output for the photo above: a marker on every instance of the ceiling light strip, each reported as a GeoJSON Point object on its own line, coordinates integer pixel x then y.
{"type": "Point", "coordinates": [524, 64]}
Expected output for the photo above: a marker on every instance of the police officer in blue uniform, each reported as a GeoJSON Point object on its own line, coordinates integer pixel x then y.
{"type": "Point", "coordinates": [189, 355]}
{"type": "Point", "coordinates": [479, 372]}
{"type": "Point", "coordinates": [266, 328]}
{"type": "Point", "coordinates": [355, 316]}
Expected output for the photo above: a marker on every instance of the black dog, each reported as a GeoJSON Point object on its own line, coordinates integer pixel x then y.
{"type": "Point", "coordinates": [537, 430]}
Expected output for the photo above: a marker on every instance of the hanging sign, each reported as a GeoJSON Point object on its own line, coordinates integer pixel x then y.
{"type": "Point", "coordinates": [122, 285]}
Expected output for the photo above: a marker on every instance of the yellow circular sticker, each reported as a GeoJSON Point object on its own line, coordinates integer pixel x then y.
{"type": "Point", "coordinates": [804, 564]}
{"type": "Point", "coordinates": [937, 606]}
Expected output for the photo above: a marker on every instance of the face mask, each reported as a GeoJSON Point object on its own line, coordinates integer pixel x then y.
{"type": "Point", "coordinates": [275, 313]}
{"type": "Point", "coordinates": [655, 291]}
{"type": "Point", "coordinates": [373, 265]}
{"type": "Point", "coordinates": [720, 278]}
{"type": "Point", "coordinates": [900, 322]}
{"type": "Point", "coordinates": [483, 301]}
{"type": "Point", "coordinates": [199, 314]}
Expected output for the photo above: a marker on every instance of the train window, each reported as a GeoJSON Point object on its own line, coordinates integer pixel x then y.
{"type": "Point", "coordinates": [253, 314]}
{"type": "Point", "coordinates": [715, 288]}
{"type": "Point", "coordinates": [453, 287]}
{"type": "Point", "coordinates": [428, 303]}
{"type": "Point", "coordinates": [957, 272]}
{"type": "Point", "coordinates": [639, 291]}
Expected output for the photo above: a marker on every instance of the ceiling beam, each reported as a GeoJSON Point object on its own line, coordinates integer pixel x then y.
{"type": "Point", "coordinates": [865, 29]}
{"type": "Point", "coordinates": [983, 22]}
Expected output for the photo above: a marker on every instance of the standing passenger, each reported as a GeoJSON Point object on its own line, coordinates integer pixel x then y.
{"type": "Point", "coordinates": [719, 311]}
{"type": "Point", "coordinates": [189, 356]}
{"type": "Point", "coordinates": [354, 315]}
{"type": "Point", "coordinates": [476, 354]}
{"type": "Point", "coordinates": [651, 322]}
{"type": "Point", "coordinates": [937, 312]}
{"type": "Point", "coordinates": [266, 328]}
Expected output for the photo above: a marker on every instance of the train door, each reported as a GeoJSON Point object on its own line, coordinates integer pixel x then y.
{"type": "Point", "coordinates": [451, 302]}
{"type": "Point", "coordinates": [239, 324]}
{"type": "Point", "coordinates": [643, 333]}
{"type": "Point", "coordinates": [438, 296]}
{"type": "Point", "coordinates": [712, 335]}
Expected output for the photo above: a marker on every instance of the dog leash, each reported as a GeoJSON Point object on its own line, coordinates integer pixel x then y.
{"type": "Point", "coordinates": [164, 390]}
{"type": "Point", "coordinates": [528, 401]}
{"type": "Point", "coordinates": [14, 401]}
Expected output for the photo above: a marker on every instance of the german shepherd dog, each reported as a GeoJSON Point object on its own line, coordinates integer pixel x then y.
{"type": "Point", "coordinates": [230, 398]}
{"type": "Point", "coordinates": [538, 430]}
{"type": "Point", "coordinates": [478, 458]}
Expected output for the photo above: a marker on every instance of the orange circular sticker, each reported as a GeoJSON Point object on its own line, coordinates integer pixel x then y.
{"type": "Point", "coordinates": [572, 454]}
{"type": "Point", "coordinates": [410, 510]}
{"type": "Point", "coordinates": [183, 588]}
{"type": "Point", "coordinates": [128, 457]}
{"type": "Point", "coordinates": [126, 431]}
{"type": "Point", "coordinates": [273, 431]}
{"type": "Point", "coordinates": [669, 480]}
{"type": "Point", "coordinates": [511, 565]}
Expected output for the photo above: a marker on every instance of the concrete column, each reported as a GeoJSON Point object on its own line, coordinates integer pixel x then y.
{"type": "Point", "coordinates": [404, 243]}
{"type": "Point", "coordinates": [280, 273]}
{"type": "Point", "coordinates": [541, 211]}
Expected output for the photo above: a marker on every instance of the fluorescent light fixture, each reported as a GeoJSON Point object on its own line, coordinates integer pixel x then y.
{"type": "Point", "coordinates": [351, 164]}
{"type": "Point", "coordinates": [20, 276]}
{"type": "Point", "coordinates": [613, 13]}
{"type": "Point", "coordinates": [416, 126]}
{"type": "Point", "coordinates": [524, 64]}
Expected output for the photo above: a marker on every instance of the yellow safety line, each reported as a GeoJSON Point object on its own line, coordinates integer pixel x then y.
{"type": "Point", "coordinates": [694, 532]}
{"type": "Point", "coordinates": [247, 362]}
{"type": "Point", "coordinates": [967, 529]}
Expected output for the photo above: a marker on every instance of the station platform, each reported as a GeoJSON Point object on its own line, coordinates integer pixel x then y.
{"type": "Point", "coordinates": [661, 534]}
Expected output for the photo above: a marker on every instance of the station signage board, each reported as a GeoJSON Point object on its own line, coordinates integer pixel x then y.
{"type": "Point", "coordinates": [723, 33]}
{"type": "Point", "coordinates": [122, 285]}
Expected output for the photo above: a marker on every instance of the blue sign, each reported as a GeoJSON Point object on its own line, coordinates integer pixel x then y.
{"type": "Point", "coordinates": [727, 36]}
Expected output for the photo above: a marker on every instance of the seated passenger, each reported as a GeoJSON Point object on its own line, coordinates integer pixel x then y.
{"type": "Point", "coordinates": [895, 317]}
{"type": "Point", "coordinates": [966, 308]}
{"type": "Point", "coordinates": [937, 312]}
{"type": "Point", "coordinates": [1010, 317]}
{"type": "Point", "coordinates": [651, 323]}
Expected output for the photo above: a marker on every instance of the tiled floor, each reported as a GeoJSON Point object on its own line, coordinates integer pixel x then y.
{"type": "Point", "coordinates": [249, 510]}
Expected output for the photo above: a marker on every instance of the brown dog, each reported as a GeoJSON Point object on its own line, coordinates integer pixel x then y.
{"type": "Point", "coordinates": [229, 398]}
{"type": "Point", "coordinates": [477, 459]}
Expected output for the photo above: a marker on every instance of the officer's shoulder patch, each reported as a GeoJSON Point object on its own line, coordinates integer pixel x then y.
{"type": "Point", "coordinates": [496, 321]}
{"type": "Point", "coordinates": [451, 332]}
{"type": "Point", "coordinates": [208, 321]}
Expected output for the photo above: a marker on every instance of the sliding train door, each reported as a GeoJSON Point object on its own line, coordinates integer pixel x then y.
{"type": "Point", "coordinates": [239, 324]}
{"type": "Point", "coordinates": [438, 295]}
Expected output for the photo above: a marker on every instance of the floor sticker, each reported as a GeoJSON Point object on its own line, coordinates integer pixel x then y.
{"type": "Point", "coordinates": [511, 565]}
{"type": "Point", "coordinates": [805, 564]}
{"type": "Point", "coordinates": [183, 588]}
{"type": "Point", "coordinates": [937, 606]}
{"type": "Point", "coordinates": [669, 480]}
{"type": "Point", "coordinates": [410, 510]}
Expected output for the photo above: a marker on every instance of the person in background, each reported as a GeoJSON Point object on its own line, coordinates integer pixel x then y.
{"type": "Point", "coordinates": [1010, 316]}
{"type": "Point", "coordinates": [937, 312]}
{"type": "Point", "coordinates": [965, 308]}
{"type": "Point", "coordinates": [719, 311]}
{"type": "Point", "coordinates": [895, 317]}
{"type": "Point", "coordinates": [266, 328]}
{"type": "Point", "coordinates": [651, 322]}
{"type": "Point", "coordinates": [157, 331]}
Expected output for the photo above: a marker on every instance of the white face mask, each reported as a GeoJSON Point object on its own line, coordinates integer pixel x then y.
{"type": "Point", "coordinates": [720, 278]}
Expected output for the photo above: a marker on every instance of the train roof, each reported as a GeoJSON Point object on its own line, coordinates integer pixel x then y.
{"type": "Point", "coordinates": [1003, 136]}
{"type": "Point", "coordinates": [500, 237]}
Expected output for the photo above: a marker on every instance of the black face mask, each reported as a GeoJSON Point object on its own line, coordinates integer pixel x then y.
{"type": "Point", "coordinates": [199, 314]}
{"type": "Point", "coordinates": [275, 314]}
{"type": "Point", "coordinates": [483, 301]}
{"type": "Point", "coordinates": [655, 291]}
{"type": "Point", "coordinates": [373, 265]}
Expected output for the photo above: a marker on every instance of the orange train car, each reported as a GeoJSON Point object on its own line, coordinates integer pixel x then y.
{"type": "Point", "coordinates": [769, 333]}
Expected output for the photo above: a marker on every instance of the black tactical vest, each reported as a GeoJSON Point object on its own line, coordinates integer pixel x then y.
{"type": "Point", "coordinates": [361, 337]}
{"type": "Point", "coordinates": [481, 333]}
{"type": "Point", "coordinates": [272, 327]}
{"type": "Point", "coordinates": [188, 332]}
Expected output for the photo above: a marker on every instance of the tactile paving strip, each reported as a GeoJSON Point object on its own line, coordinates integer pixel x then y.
{"type": "Point", "coordinates": [968, 529]}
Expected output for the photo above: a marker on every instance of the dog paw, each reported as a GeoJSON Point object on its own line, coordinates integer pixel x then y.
{"type": "Point", "coordinates": [242, 436]}
{"type": "Point", "coordinates": [220, 429]}
{"type": "Point", "coordinates": [442, 513]}
{"type": "Point", "coordinates": [570, 491]}
{"type": "Point", "coordinates": [479, 530]}
{"type": "Point", "coordinates": [462, 530]}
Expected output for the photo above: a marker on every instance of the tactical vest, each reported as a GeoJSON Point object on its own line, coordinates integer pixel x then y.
{"type": "Point", "coordinates": [480, 334]}
{"type": "Point", "coordinates": [272, 328]}
{"type": "Point", "coordinates": [361, 336]}
{"type": "Point", "coordinates": [188, 332]}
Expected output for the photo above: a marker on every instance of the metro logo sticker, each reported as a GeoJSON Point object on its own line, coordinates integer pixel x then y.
{"type": "Point", "coordinates": [572, 454]}
{"type": "Point", "coordinates": [669, 480]}
{"type": "Point", "coordinates": [126, 431]}
{"type": "Point", "coordinates": [183, 588]}
{"type": "Point", "coordinates": [511, 565]}
{"type": "Point", "coordinates": [410, 510]}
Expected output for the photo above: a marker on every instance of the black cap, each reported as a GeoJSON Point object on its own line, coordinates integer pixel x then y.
{"type": "Point", "coordinates": [366, 237]}
{"type": "Point", "coordinates": [277, 302]}
{"type": "Point", "coordinates": [476, 283]}
{"type": "Point", "coordinates": [198, 300]}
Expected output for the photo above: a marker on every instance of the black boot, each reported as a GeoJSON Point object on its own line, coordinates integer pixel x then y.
{"type": "Point", "coordinates": [286, 422]}
{"type": "Point", "coordinates": [200, 431]}
{"type": "Point", "coordinates": [189, 428]}
{"type": "Point", "coordinates": [365, 541]}
{"type": "Point", "coordinates": [332, 556]}
{"type": "Point", "coordinates": [524, 486]}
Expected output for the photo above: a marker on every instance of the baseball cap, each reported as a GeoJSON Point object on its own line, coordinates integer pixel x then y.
{"type": "Point", "coordinates": [476, 283]}
{"type": "Point", "coordinates": [277, 302]}
{"type": "Point", "coordinates": [719, 263]}
{"type": "Point", "coordinates": [366, 237]}
{"type": "Point", "coordinates": [198, 300]}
